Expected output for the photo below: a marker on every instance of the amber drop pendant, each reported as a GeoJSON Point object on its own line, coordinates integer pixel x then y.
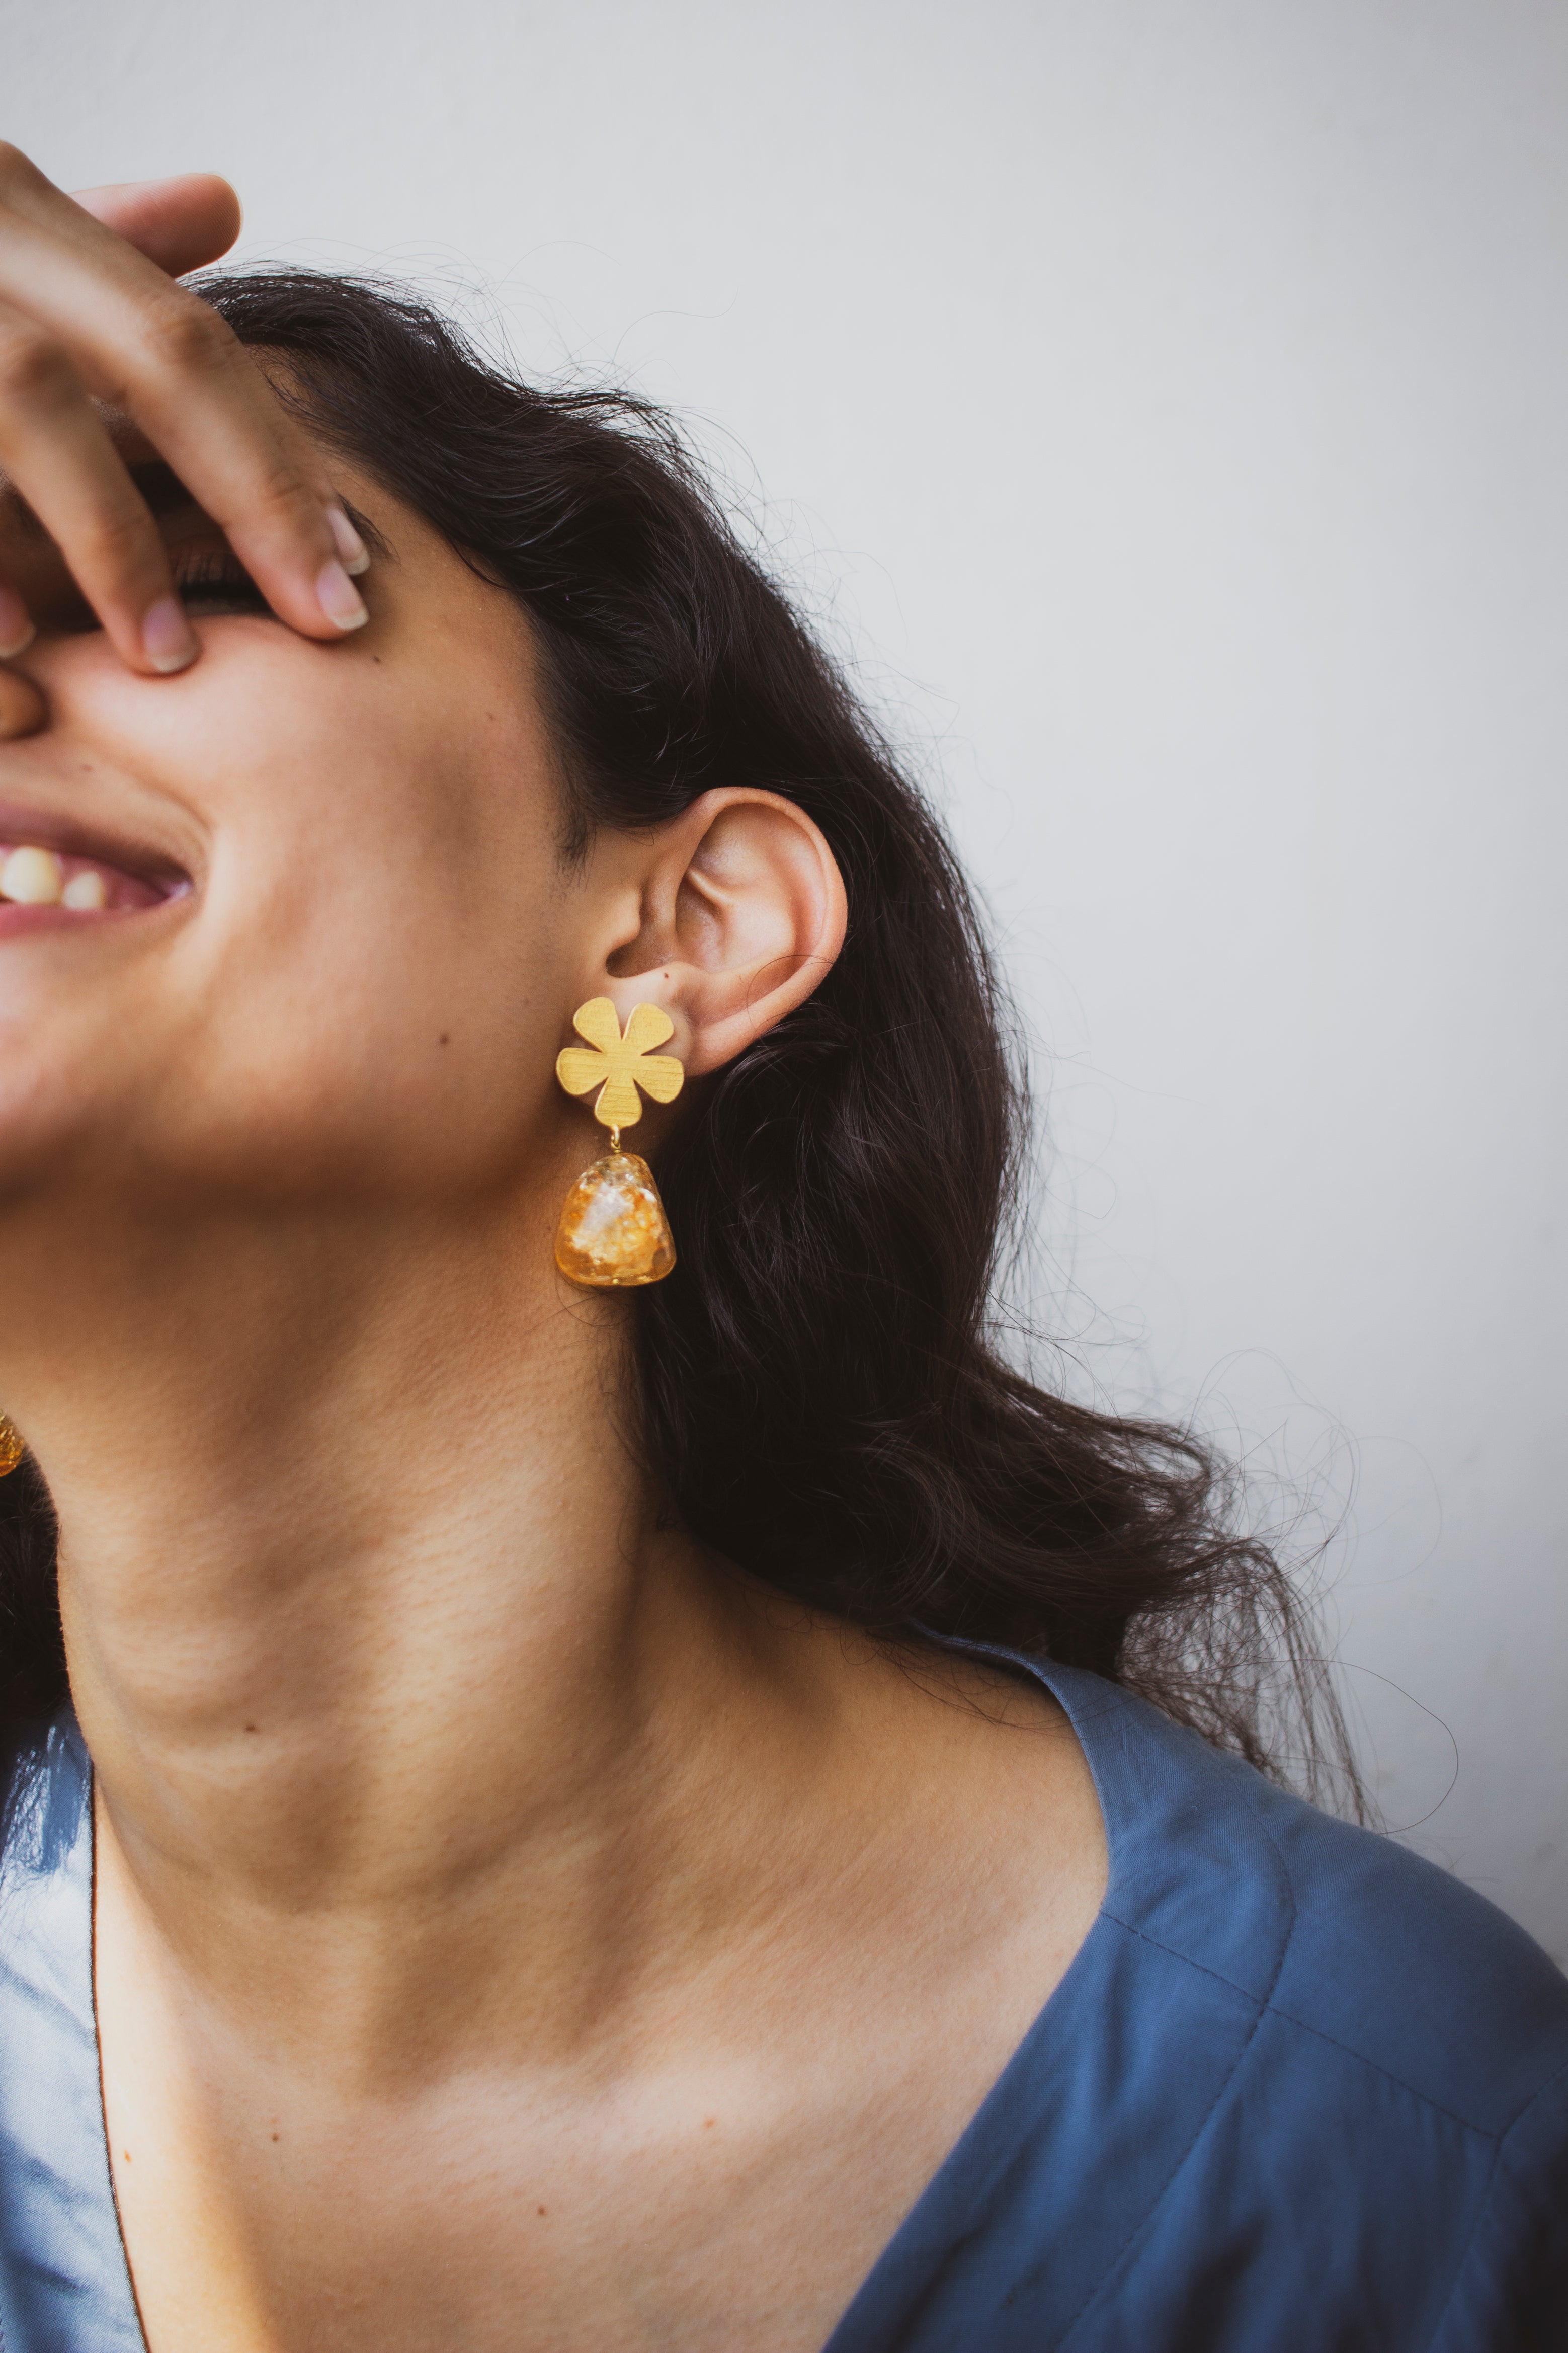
{"type": "Point", "coordinates": [12, 1446]}
{"type": "Point", "coordinates": [614, 1233]}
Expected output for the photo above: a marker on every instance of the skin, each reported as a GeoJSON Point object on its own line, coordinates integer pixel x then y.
{"type": "Point", "coordinates": [514, 1929]}
{"type": "Point", "coordinates": [87, 317]}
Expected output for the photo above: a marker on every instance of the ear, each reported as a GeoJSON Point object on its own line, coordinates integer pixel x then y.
{"type": "Point", "coordinates": [740, 914]}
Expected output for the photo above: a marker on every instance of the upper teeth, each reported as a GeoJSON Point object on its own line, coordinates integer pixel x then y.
{"type": "Point", "coordinates": [86, 889]}
{"type": "Point", "coordinates": [33, 877]}
{"type": "Point", "coordinates": [36, 877]}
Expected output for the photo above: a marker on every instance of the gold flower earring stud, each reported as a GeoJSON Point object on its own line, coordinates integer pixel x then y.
{"type": "Point", "coordinates": [614, 1234]}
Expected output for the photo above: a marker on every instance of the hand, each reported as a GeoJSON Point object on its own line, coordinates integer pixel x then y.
{"type": "Point", "coordinates": [90, 313]}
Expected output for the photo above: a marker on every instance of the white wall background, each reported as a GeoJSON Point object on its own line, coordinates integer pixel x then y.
{"type": "Point", "coordinates": [1166, 398]}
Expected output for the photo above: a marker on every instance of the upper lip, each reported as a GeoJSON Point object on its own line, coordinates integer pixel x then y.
{"type": "Point", "coordinates": [100, 844]}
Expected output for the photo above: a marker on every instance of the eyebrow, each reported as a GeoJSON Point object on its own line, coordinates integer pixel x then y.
{"type": "Point", "coordinates": [166, 494]}
{"type": "Point", "coordinates": [157, 482]}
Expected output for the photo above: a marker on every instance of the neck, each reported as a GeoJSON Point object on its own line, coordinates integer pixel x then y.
{"type": "Point", "coordinates": [367, 1606]}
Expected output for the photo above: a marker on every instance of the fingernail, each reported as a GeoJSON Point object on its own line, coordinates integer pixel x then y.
{"type": "Point", "coordinates": [168, 636]}
{"type": "Point", "coordinates": [339, 599]}
{"type": "Point", "coordinates": [351, 547]}
{"type": "Point", "coordinates": [16, 630]}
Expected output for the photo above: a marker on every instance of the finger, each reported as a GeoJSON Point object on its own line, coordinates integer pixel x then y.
{"type": "Point", "coordinates": [16, 630]}
{"type": "Point", "coordinates": [23, 710]}
{"type": "Point", "coordinates": [181, 224]}
{"type": "Point", "coordinates": [54, 447]}
{"type": "Point", "coordinates": [150, 347]}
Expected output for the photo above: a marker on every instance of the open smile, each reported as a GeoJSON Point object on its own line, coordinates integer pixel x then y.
{"type": "Point", "coordinates": [54, 878]}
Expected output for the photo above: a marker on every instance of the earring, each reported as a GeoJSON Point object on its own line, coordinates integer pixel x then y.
{"type": "Point", "coordinates": [614, 1233]}
{"type": "Point", "coordinates": [12, 1446]}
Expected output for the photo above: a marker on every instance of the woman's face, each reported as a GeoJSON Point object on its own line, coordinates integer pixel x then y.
{"type": "Point", "coordinates": [340, 947]}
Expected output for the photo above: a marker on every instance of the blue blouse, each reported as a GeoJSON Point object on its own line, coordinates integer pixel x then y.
{"type": "Point", "coordinates": [1299, 2091]}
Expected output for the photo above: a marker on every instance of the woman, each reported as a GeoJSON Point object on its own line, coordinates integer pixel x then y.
{"type": "Point", "coordinates": [625, 1809]}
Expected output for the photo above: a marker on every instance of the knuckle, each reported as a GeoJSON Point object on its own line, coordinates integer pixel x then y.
{"type": "Point", "coordinates": [181, 333]}
{"type": "Point", "coordinates": [279, 494]}
{"type": "Point", "coordinates": [119, 539]}
{"type": "Point", "coordinates": [21, 182]}
{"type": "Point", "coordinates": [34, 369]}
{"type": "Point", "coordinates": [284, 488]}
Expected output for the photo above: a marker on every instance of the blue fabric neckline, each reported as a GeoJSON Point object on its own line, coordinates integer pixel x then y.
{"type": "Point", "coordinates": [69, 2283]}
{"type": "Point", "coordinates": [1069, 2083]}
{"type": "Point", "coordinates": [1291, 2071]}
{"type": "Point", "coordinates": [64, 2276]}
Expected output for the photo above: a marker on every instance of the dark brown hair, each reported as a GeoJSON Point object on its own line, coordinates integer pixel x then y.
{"type": "Point", "coordinates": [821, 1389]}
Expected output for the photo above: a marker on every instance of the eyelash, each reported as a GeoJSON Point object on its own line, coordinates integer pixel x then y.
{"type": "Point", "coordinates": [219, 579]}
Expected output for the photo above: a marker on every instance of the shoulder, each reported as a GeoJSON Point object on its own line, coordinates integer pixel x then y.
{"type": "Point", "coordinates": [1446, 2028]}
{"type": "Point", "coordinates": [1296, 2079]}
{"type": "Point", "coordinates": [1336, 1929]}
{"type": "Point", "coordinates": [1399, 1962]}
{"type": "Point", "coordinates": [1397, 2083]}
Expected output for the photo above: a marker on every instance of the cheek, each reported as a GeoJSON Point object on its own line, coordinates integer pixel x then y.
{"type": "Point", "coordinates": [368, 995]}
{"type": "Point", "coordinates": [364, 1024]}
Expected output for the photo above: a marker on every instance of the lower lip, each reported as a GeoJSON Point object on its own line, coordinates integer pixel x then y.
{"type": "Point", "coordinates": [16, 920]}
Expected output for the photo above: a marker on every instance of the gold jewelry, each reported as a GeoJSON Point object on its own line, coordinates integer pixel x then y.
{"type": "Point", "coordinates": [12, 1446]}
{"type": "Point", "coordinates": [614, 1234]}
